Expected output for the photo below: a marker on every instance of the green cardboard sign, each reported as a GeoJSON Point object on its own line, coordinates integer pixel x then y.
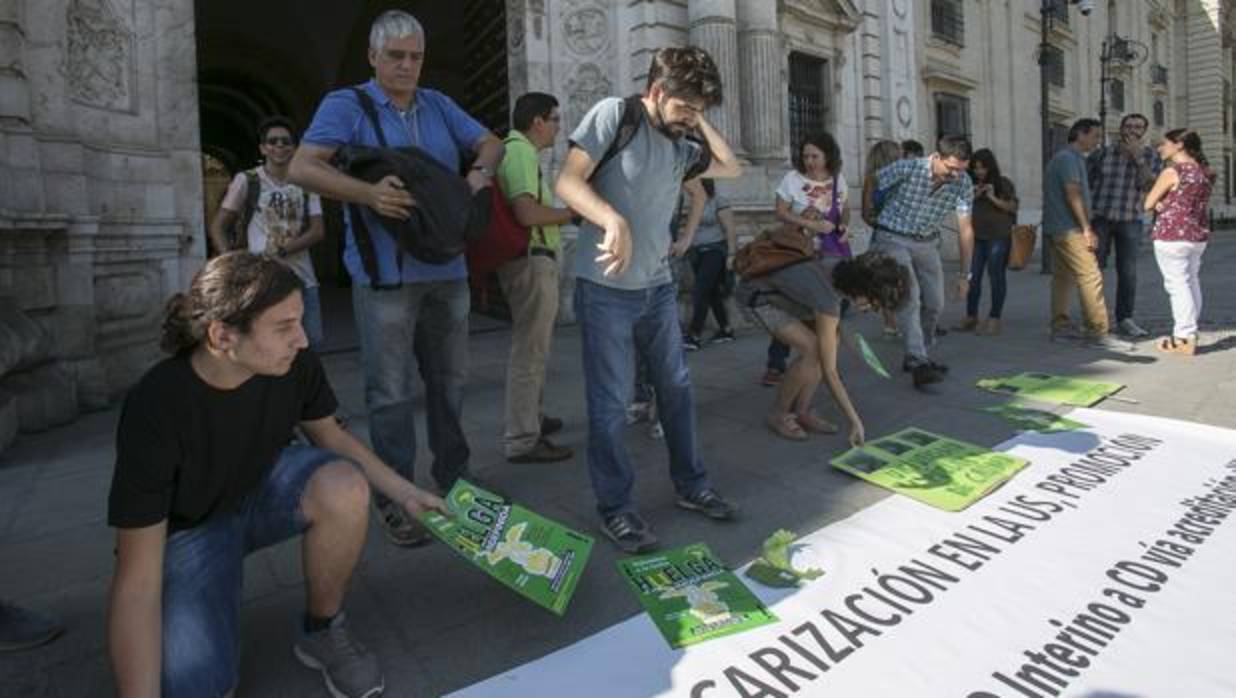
{"type": "Point", "coordinates": [936, 470]}
{"type": "Point", "coordinates": [1031, 419]}
{"type": "Point", "coordinates": [691, 596]}
{"type": "Point", "coordinates": [773, 568]}
{"type": "Point", "coordinates": [1045, 387]}
{"type": "Point", "coordinates": [537, 558]}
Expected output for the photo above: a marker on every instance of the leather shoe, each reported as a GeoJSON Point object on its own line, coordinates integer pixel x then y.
{"type": "Point", "coordinates": [550, 425]}
{"type": "Point", "coordinates": [544, 452]}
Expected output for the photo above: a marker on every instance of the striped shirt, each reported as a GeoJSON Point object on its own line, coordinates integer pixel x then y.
{"type": "Point", "coordinates": [1119, 183]}
{"type": "Point", "coordinates": [914, 205]}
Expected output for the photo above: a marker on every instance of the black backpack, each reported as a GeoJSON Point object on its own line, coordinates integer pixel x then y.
{"type": "Point", "coordinates": [238, 234]}
{"type": "Point", "coordinates": [439, 228]}
{"type": "Point", "coordinates": [628, 126]}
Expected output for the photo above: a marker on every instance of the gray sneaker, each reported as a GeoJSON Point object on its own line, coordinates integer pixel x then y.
{"type": "Point", "coordinates": [23, 629]}
{"type": "Point", "coordinates": [630, 533]}
{"type": "Point", "coordinates": [1131, 329]}
{"type": "Point", "coordinates": [350, 670]}
{"type": "Point", "coordinates": [1106, 342]}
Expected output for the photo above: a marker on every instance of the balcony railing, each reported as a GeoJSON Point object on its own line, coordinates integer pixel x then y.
{"type": "Point", "coordinates": [1158, 75]}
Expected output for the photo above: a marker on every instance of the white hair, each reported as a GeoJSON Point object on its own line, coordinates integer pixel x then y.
{"type": "Point", "coordinates": [393, 24]}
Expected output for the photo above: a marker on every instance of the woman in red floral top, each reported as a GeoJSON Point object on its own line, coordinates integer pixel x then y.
{"type": "Point", "coordinates": [1179, 198]}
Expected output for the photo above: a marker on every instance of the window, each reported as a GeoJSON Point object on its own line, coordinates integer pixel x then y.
{"type": "Point", "coordinates": [952, 115]}
{"type": "Point", "coordinates": [1158, 75]}
{"type": "Point", "coordinates": [1115, 93]}
{"type": "Point", "coordinates": [1060, 11]}
{"type": "Point", "coordinates": [948, 21]}
{"type": "Point", "coordinates": [1160, 113]}
{"type": "Point", "coordinates": [1053, 58]}
{"type": "Point", "coordinates": [808, 100]}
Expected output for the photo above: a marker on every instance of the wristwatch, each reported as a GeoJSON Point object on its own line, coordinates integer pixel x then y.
{"type": "Point", "coordinates": [483, 170]}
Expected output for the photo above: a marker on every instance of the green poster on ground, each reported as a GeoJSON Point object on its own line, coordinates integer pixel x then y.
{"type": "Point", "coordinates": [1045, 387]}
{"type": "Point", "coordinates": [936, 470]}
{"type": "Point", "coordinates": [536, 557]}
{"type": "Point", "coordinates": [691, 596]}
{"type": "Point", "coordinates": [870, 357]}
{"type": "Point", "coordinates": [1031, 419]}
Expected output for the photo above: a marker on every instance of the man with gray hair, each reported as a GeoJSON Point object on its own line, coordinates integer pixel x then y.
{"type": "Point", "coordinates": [410, 315]}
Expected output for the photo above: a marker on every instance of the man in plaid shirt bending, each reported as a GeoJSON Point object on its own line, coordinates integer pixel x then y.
{"type": "Point", "coordinates": [920, 193]}
{"type": "Point", "coordinates": [1120, 175]}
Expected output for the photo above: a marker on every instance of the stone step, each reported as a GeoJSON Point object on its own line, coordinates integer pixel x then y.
{"type": "Point", "coordinates": [46, 396]}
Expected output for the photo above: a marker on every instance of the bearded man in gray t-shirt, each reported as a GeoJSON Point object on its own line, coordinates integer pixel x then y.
{"type": "Point", "coordinates": [625, 297]}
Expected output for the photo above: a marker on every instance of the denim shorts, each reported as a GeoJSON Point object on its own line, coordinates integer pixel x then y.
{"type": "Point", "coordinates": [203, 575]}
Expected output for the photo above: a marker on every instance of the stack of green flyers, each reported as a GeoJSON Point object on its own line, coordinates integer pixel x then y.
{"type": "Point", "coordinates": [538, 558]}
{"type": "Point", "coordinates": [936, 470]}
{"type": "Point", "coordinates": [1045, 387]}
{"type": "Point", "coordinates": [692, 597]}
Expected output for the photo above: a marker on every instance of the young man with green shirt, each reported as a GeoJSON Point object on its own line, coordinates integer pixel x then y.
{"type": "Point", "coordinates": [530, 282]}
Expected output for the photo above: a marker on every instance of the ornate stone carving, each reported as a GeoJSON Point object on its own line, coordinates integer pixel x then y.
{"type": "Point", "coordinates": [98, 58]}
{"type": "Point", "coordinates": [588, 85]}
{"type": "Point", "coordinates": [586, 30]}
{"type": "Point", "coordinates": [515, 28]}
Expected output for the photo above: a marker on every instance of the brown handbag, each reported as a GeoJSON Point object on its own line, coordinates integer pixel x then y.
{"type": "Point", "coordinates": [771, 250]}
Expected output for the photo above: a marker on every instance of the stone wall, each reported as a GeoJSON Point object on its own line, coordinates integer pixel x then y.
{"type": "Point", "coordinates": [100, 182]}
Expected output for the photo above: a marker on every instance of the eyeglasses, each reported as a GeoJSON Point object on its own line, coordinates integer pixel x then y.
{"type": "Point", "coordinates": [279, 140]}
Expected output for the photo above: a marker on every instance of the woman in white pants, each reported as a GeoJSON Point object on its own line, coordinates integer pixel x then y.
{"type": "Point", "coordinates": [1179, 199]}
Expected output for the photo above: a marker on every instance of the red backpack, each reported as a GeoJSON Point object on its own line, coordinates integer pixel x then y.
{"type": "Point", "coordinates": [504, 239]}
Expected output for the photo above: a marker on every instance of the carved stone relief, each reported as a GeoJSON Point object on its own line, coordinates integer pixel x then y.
{"type": "Point", "coordinates": [98, 57]}
{"type": "Point", "coordinates": [515, 24]}
{"type": "Point", "coordinates": [588, 85]}
{"type": "Point", "coordinates": [586, 30]}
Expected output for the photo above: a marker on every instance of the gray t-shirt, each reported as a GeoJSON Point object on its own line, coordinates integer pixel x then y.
{"type": "Point", "coordinates": [1067, 166]}
{"type": "Point", "coordinates": [642, 183]}
{"type": "Point", "coordinates": [709, 230]}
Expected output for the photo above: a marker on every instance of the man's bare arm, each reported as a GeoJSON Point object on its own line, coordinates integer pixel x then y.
{"type": "Point", "coordinates": [218, 228]}
{"type": "Point", "coordinates": [311, 169]}
{"type": "Point", "coordinates": [724, 163]}
{"type": "Point", "coordinates": [135, 613]}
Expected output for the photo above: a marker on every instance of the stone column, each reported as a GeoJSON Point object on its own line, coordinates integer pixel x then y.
{"type": "Point", "coordinates": [714, 28]}
{"type": "Point", "coordinates": [761, 68]}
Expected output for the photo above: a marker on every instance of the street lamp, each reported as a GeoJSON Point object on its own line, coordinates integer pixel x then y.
{"type": "Point", "coordinates": [1048, 10]}
{"type": "Point", "coordinates": [1119, 51]}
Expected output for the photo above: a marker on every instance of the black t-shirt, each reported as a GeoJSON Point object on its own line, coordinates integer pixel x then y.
{"type": "Point", "coordinates": [186, 451]}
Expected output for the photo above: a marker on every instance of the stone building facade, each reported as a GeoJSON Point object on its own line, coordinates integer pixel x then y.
{"type": "Point", "coordinates": [100, 188]}
{"type": "Point", "coordinates": [101, 146]}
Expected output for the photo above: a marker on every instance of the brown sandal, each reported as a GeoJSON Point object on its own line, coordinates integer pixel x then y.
{"type": "Point", "coordinates": [1177, 345]}
{"type": "Point", "coordinates": [786, 426]}
{"type": "Point", "coordinates": [815, 424]}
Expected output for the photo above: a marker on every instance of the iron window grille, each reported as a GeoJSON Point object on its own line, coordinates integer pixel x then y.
{"type": "Point", "coordinates": [807, 97]}
{"type": "Point", "coordinates": [948, 21]}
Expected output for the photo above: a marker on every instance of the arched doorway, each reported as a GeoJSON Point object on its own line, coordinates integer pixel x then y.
{"type": "Point", "coordinates": [257, 59]}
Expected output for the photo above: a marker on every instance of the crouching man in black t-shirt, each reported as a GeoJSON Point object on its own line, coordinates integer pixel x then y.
{"type": "Point", "coordinates": [206, 473]}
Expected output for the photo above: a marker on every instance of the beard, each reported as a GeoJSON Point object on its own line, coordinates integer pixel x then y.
{"type": "Point", "coordinates": [673, 130]}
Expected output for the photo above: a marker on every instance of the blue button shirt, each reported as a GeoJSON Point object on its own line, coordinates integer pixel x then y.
{"type": "Point", "coordinates": [435, 124]}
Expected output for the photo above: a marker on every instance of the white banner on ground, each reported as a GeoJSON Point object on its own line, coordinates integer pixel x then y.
{"type": "Point", "coordinates": [1106, 568]}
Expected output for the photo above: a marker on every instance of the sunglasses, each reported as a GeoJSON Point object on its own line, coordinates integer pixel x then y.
{"type": "Point", "coordinates": [279, 140]}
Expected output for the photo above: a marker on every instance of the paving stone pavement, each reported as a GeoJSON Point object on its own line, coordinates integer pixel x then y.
{"type": "Point", "coordinates": [437, 624]}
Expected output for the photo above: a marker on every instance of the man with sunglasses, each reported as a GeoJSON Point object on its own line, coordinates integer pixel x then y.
{"type": "Point", "coordinates": [530, 281]}
{"type": "Point", "coordinates": [1120, 176]}
{"type": "Point", "coordinates": [275, 217]}
{"type": "Point", "coordinates": [919, 194]}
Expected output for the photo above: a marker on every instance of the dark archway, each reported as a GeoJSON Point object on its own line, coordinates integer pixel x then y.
{"type": "Point", "coordinates": [256, 59]}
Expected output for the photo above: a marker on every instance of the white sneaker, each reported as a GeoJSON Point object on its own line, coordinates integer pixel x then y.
{"type": "Point", "coordinates": [1128, 328]}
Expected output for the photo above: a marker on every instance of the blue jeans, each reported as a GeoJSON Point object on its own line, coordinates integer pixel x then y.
{"type": "Point", "coordinates": [1127, 236]}
{"type": "Point", "coordinates": [312, 319]}
{"type": "Point", "coordinates": [614, 325]}
{"type": "Point", "coordinates": [426, 325]}
{"type": "Point", "coordinates": [992, 255]}
{"type": "Point", "coordinates": [203, 574]}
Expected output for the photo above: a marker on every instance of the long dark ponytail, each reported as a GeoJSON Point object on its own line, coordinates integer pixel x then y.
{"type": "Point", "coordinates": [1190, 141]}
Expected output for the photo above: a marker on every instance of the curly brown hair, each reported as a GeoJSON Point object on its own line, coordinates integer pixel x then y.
{"type": "Point", "coordinates": [688, 73]}
{"type": "Point", "coordinates": [874, 276]}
